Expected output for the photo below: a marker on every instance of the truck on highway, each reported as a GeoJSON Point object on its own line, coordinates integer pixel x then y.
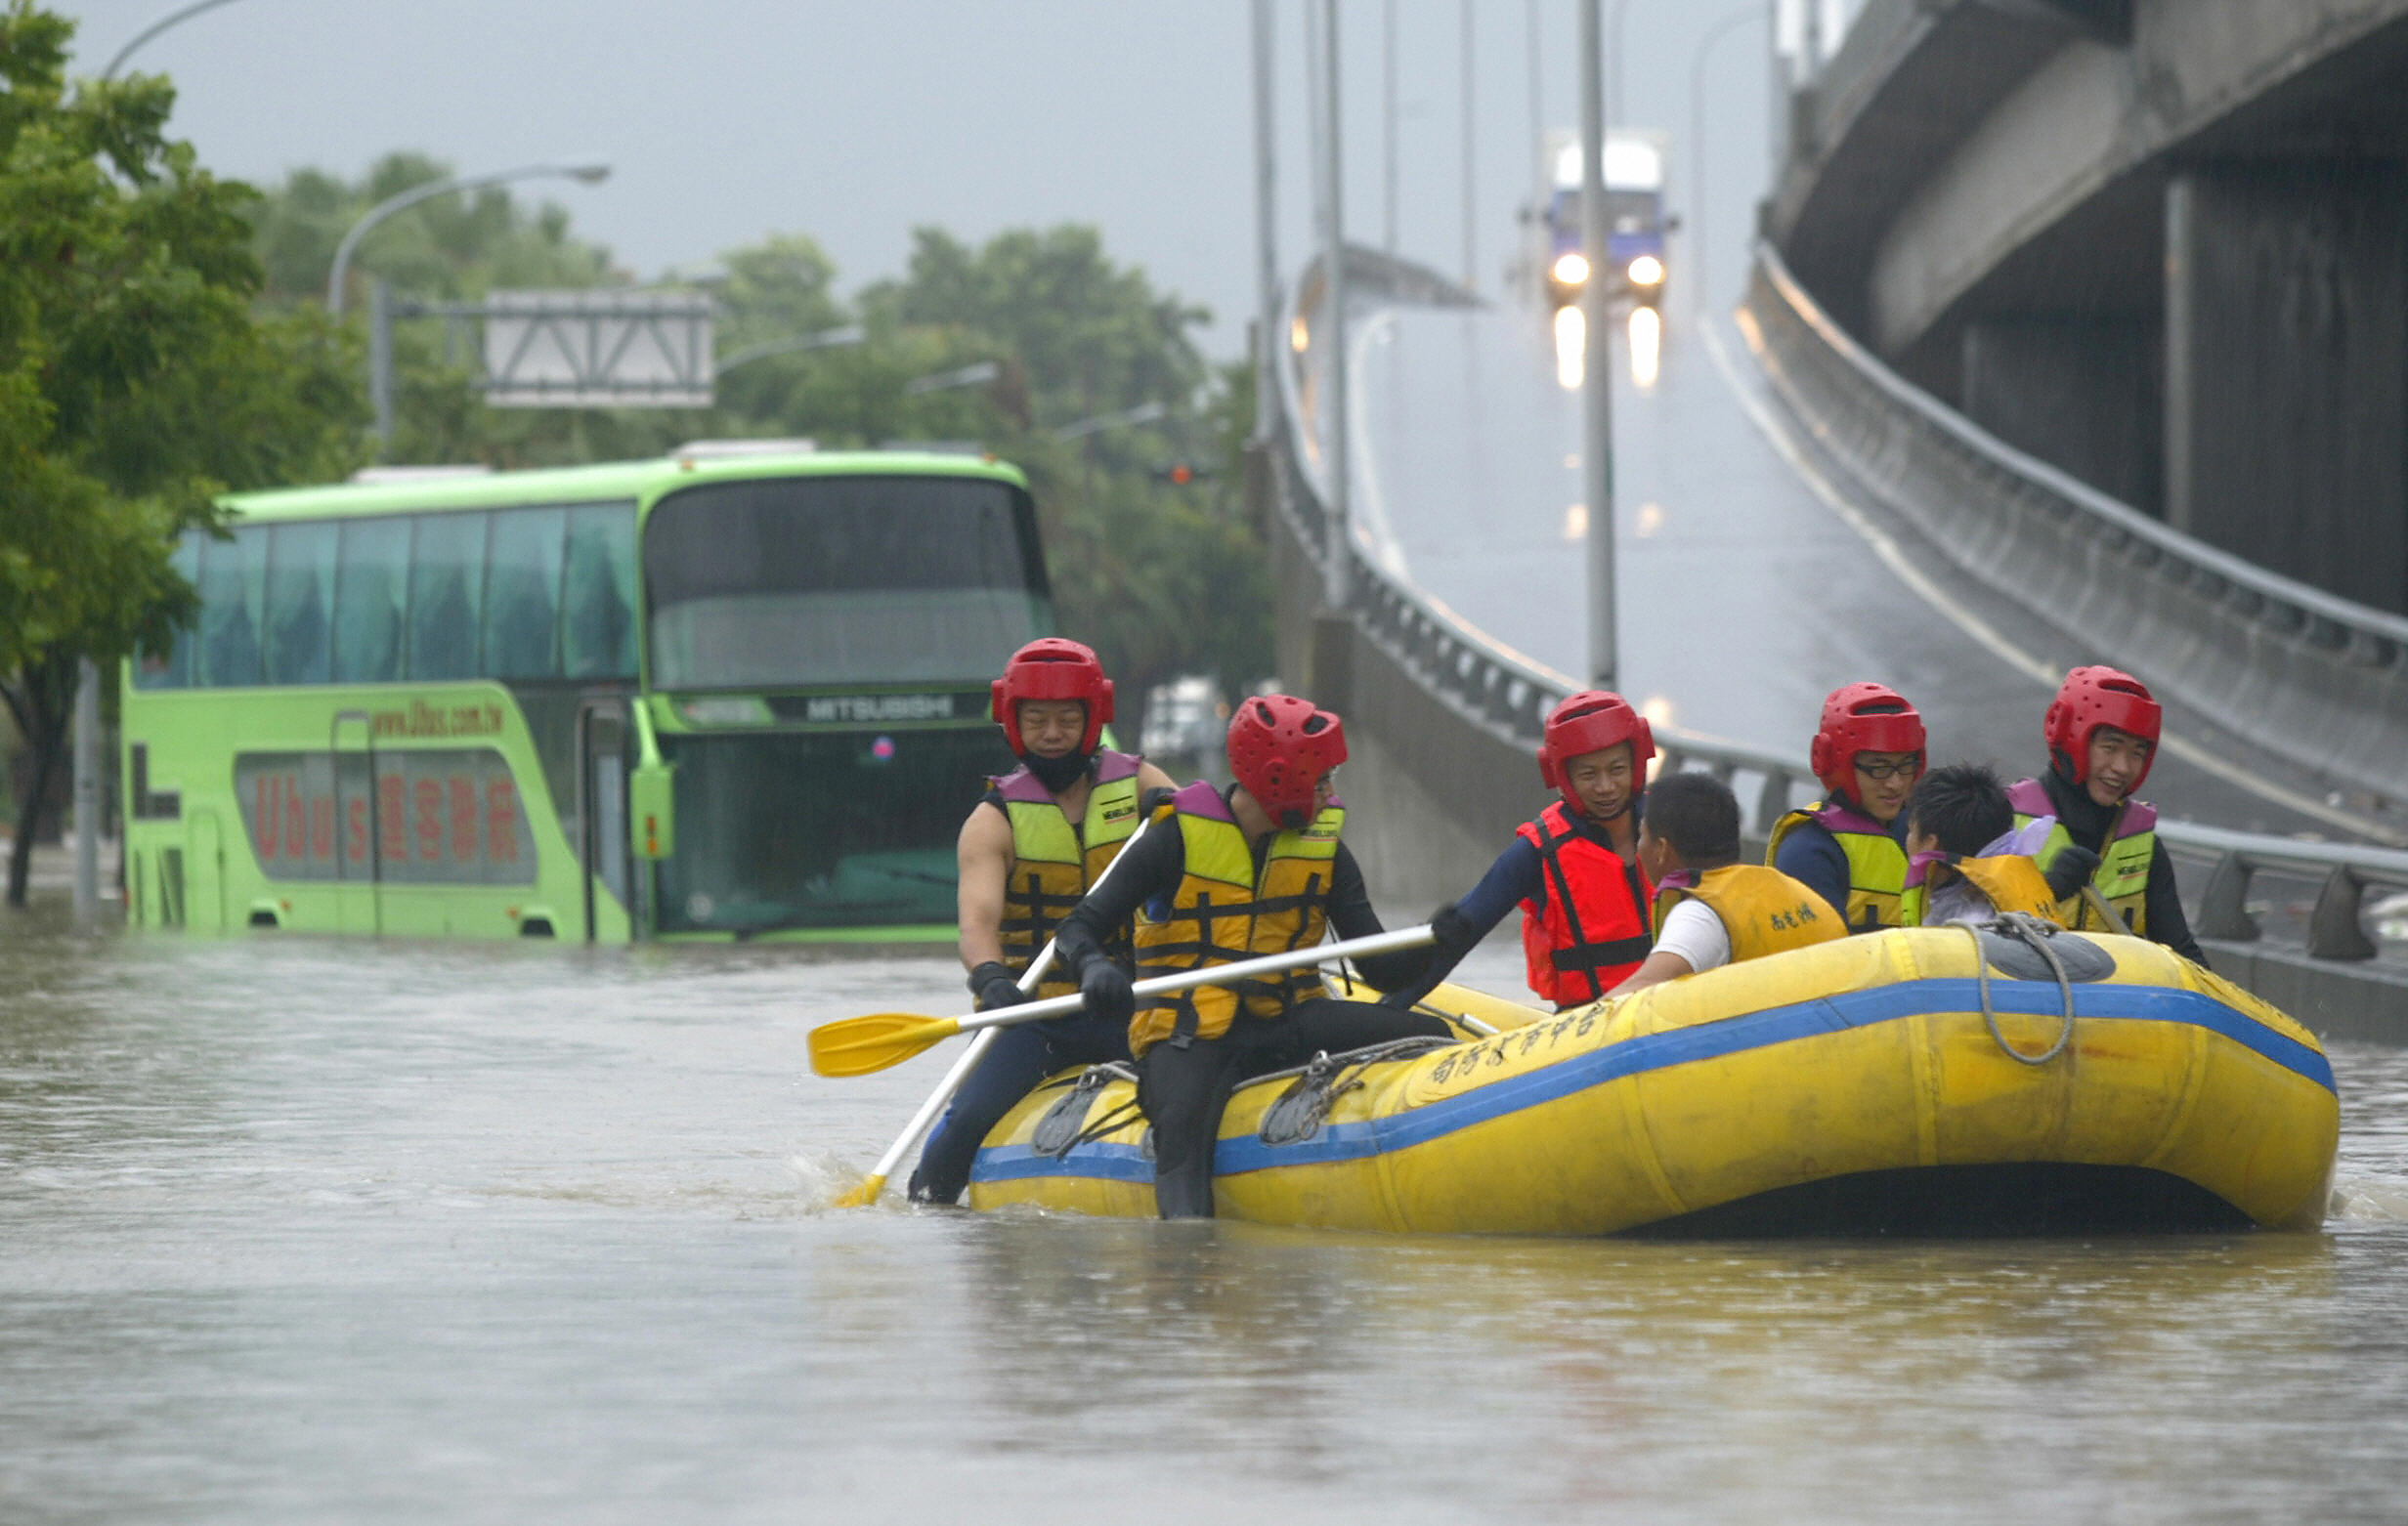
{"type": "Point", "coordinates": [1636, 221]}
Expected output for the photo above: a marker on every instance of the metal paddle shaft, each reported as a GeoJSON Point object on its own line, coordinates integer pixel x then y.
{"type": "Point", "coordinates": [1188, 979]}
{"type": "Point", "coordinates": [858, 1046]}
{"type": "Point", "coordinates": [926, 1117]}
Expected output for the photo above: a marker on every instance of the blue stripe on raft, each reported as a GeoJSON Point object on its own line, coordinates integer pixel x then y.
{"type": "Point", "coordinates": [1104, 1160]}
{"type": "Point", "coordinates": [1682, 1046]}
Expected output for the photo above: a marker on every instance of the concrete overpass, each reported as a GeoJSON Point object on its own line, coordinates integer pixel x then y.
{"type": "Point", "coordinates": [1776, 540]}
{"type": "Point", "coordinates": [2162, 244]}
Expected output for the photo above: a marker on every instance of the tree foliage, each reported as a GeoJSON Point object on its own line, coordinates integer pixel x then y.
{"type": "Point", "coordinates": [135, 381]}
{"type": "Point", "coordinates": [1162, 579]}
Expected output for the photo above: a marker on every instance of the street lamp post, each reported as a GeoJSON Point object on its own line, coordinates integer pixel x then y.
{"type": "Point", "coordinates": [587, 174]}
{"type": "Point", "coordinates": [1334, 579]}
{"type": "Point", "coordinates": [1597, 384]}
{"type": "Point", "coordinates": [1126, 418]}
{"type": "Point", "coordinates": [1270, 342]}
{"type": "Point", "coordinates": [171, 18]}
{"type": "Point", "coordinates": [825, 338]}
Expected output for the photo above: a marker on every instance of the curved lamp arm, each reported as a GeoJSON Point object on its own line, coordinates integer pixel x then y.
{"type": "Point", "coordinates": [589, 174]}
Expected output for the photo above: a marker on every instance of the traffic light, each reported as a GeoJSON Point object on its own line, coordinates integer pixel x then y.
{"type": "Point", "coordinates": [1179, 474]}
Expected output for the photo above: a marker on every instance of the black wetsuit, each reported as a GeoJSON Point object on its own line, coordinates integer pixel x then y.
{"type": "Point", "coordinates": [1184, 1084]}
{"type": "Point", "coordinates": [2086, 821]}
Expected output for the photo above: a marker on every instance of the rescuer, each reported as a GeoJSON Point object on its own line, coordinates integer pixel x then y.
{"type": "Point", "coordinates": [1225, 876]}
{"type": "Point", "coordinates": [1028, 852]}
{"type": "Point", "coordinates": [1967, 861]}
{"type": "Point", "coordinates": [2102, 732]}
{"type": "Point", "coordinates": [1573, 870]}
{"type": "Point", "coordinates": [1850, 845]}
{"type": "Point", "coordinates": [1710, 908]}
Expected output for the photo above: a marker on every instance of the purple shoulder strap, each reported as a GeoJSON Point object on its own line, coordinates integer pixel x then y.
{"type": "Point", "coordinates": [1022, 787]}
{"type": "Point", "coordinates": [1202, 799]}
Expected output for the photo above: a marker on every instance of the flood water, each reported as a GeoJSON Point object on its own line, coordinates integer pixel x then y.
{"type": "Point", "coordinates": [297, 1231]}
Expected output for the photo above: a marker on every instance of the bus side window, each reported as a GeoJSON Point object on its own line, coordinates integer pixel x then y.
{"type": "Point", "coordinates": [447, 584]}
{"type": "Point", "coordinates": [174, 668]}
{"type": "Point", "coordinates": [232, 589]}
{"type": "Point", "coordinates": [597, 605]}
{"type": "Point", "coordinates": [371, 575]}
{"type": "Point", "coordinates": [521, 594]}
{"type": "Point", "coordinates": [300, 602]}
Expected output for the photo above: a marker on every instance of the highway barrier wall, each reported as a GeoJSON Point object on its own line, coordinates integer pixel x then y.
{"type": "Point", "coordinates": [2304, 675]}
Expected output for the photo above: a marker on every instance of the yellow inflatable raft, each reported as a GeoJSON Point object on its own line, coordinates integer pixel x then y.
{"type": "Point", "coordinates": [1928, 1080]}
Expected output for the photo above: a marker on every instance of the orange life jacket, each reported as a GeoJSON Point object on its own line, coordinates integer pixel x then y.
{"type": "Point", "coordinates": [1588, 927]}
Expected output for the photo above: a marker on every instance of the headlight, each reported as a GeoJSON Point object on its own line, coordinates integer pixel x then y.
{"type": "Point", "coordinates": [1572, 268]}
{"type": "Point", "coordinates": [1646, 270]}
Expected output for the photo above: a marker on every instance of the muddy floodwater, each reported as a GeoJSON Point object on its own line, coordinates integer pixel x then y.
{"type": "Point", "coordinates": [300, 1231]}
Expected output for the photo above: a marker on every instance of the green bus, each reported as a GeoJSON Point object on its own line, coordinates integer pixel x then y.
{"type": "Point", "coordinates": [716, 696]}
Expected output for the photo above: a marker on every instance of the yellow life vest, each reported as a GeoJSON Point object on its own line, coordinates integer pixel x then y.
{"type": "Point", "coordinates": [1763, 909]}
{"type": "Point", "coordinates": [1053, 863]}
{"type": "Point", "coordinates": [1223, 911]}
{"type": "Point", "coordinates": [1876, 863]}
{"type": "Point", "coordinates": [2121, 877]}
{"type": "Point", "coordinates": [2013, 881]}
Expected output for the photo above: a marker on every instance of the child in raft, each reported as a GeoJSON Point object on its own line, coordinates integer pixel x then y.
{"type": "Point", "coordinates": [1710, 908]}
{"type": "Point", "coordinates": [1967, 861]}
{"type": "Point", "coordinates": [1573, 869]}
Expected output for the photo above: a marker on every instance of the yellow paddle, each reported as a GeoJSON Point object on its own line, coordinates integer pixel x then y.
{"type": "Point", "coordinates": [859, 1045]}
{"type": "Point", "coordinates": [862, 1196]}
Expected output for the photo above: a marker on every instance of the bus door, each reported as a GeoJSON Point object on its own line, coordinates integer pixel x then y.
{"type": "Point", "coordinates": [359, 858]}
{"type": "Point", "coordinates": [204, 872]}
{"type": "Point", "coordinates": [602, 846]}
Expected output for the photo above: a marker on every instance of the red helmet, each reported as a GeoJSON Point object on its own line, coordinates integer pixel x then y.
{"type": "Point", "coordinates": [1592, 721]}
{"type": "Point", "coordinates": [1863, 718]}
{"type": "Point", "coordinates": [1279, 747]}
{"type": "Point", "coordinates": [2095, 696]}
{"type": "Point", "coordinates": [1051, 668]}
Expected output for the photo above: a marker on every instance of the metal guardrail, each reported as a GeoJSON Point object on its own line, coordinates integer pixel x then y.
{"type": "Point", "coordinates": [2301, 672]}
{"type": "Point", "coordinates": [1498, 689]}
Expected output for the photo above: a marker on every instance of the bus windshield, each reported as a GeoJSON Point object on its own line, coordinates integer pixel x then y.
{"type": "Point", "coordinates": [793, 580]}
{"type": "Point", "coordinates": [841, 829]}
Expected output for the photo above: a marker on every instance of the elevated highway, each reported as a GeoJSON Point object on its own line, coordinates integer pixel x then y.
{"type": "Point", "coordinates": [1757, 573]}
{"type": "Point", "coordinates": [2159, 243]}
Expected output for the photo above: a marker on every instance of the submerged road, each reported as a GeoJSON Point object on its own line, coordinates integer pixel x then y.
{"type": "Point", "coordinates": [304, 1231]}
{"type": "Point", "coordinates": [1744, 596]}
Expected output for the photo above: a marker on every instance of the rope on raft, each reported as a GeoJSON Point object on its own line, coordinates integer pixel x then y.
{"type": "Point", "coordinates": [2032, 934]}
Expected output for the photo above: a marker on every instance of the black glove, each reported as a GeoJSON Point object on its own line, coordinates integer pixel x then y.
{"type": "Point", "coordinates": [1452, 932]}
{"type": "Point", "coordinates": [994, 985]}
{"type": "Point", "coordinates": [1153, 800]}
{"type": "Point", "coordinates": [1104, 988]}
{"type": "Point", "coordinates": [2070, 871]}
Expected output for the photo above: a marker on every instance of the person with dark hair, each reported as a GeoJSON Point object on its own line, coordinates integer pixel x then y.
{"type": "Point", "coordinates": [1573, 869]}
{"type": "Point", "coordinates": [1032, 846]}
{"type": "Point", "coordinates": [2102, 732]}
{"type": "Point", "coordinates": [1967, 861]}
{"type": "Point", "coordinates": [1710, 908]}
{"type": "Point", "coordinates": [1849, 846]}
{"type": "Point", "coordinates": [1224, 876]}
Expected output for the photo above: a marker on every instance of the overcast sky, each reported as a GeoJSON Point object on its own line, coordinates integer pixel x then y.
{"type": "Point", "coordinates": [852, 122]}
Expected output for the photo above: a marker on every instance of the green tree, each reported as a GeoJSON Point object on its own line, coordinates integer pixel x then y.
{"type": "Point", "coordinates": [449, 248]}
{"type": "Point", "coordinates": [135, 381]}
{"type": "Point", "coordinates": [1162, 579]}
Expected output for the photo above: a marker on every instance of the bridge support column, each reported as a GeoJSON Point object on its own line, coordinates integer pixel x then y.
{"type": "Point", "coordinates": [2084, 395]}
{"type": "Point", "coordinates": [2287, 371]}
